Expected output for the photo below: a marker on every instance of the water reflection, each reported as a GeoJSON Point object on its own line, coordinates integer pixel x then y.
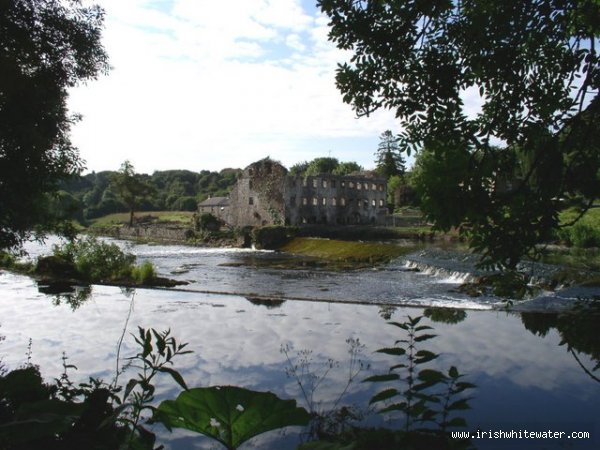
{"type": "Point", "coordinates": [521, 376]}
{"type": "Point", "coordinates": [578, 330]}
{"type": "Point", "coordinates": [68, 294]}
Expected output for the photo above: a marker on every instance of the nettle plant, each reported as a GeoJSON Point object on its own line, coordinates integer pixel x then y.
{"type": "Point", "coordinates": [424, 396]}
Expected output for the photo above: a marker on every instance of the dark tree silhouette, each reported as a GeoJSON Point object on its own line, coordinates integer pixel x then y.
{"type": "Point", "coordinates": [535, 70]}
{"type": "Point", "coordinates": [46, 47]}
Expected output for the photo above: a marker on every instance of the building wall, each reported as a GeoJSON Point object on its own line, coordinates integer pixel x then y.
{"type": "Point", "coordinates": [336, 200]}
{"type": "Point", "coordinates": [265, 195]}
{"type": "Point", "coordinates": [257, 198]}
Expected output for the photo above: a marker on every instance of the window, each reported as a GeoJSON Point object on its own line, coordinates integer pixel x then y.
{"type": "Point", "coordinates": [351, 184]}
{"type": "Point", "coordinates": [343, 201]}
{"type": "Point", "coordinates": [333, 183]}
{"type": "Point", "coordinates": [324, 183]}
{"type": "Point", "coordinates": [250, 185]}
{"type": "Point", "coordinates": [381, 203]}
{"type": "Point", "coordinates": [343, 183]}
{"type": "Point", "coordinates": [381, 187]}
{"type": "Point", "coordinates": [304, 182]}
{"type": "Point", "coordinates": [365, 203]}
{"type": "Point", "coordinates": [251, 200]}
{"type": "Point", "coordinates": [334, 201]}
{"type": "Point", "coordinates": [304, 201]}
{"type": "Point", "coordinates": [359, 185]}
{"type": "Point", "coordinates": [314, 183]}
{"type": "Point", "coordinates": [315, 202]}
{"type": "Point", "coordinates": [373, 203]}
{"type": "Point", "coordinates": [324, 201]}
{"type": "Point", "coordinates": [373, 187]}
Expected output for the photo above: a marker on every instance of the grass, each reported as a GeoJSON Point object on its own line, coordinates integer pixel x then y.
{"type": "Point", "coordinates": [118, 219]}
{"type": "Point", "coordinates": [585, 233]}
{"type": "Point", "coordinates": [353, 252]}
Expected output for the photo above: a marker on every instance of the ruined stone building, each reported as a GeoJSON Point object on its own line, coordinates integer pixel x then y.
{"type": "Point", "coordinates": [266, 195]}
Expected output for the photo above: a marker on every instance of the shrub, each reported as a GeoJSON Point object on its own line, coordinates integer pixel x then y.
{"type": "Point", "coordinates": [272, 237]}
{"type": "Point", "coordinates": [208, 222]}
{"type": "Point", "coordinates": [584, 235]}
{"type": "Point", "coordinates": [96, 260]}
{"type": "Point", "coordinates": [144, 273]}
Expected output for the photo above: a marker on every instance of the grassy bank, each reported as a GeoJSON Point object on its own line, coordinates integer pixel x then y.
{"type": "Point", "coordinates": [345, 252]}
{"type": "Point", "coordinates": [118, 219]}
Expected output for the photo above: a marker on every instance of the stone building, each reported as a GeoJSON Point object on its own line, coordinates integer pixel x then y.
{"type": "Point", "coordinates": [217, 206]}
{"type": "Point", "coordinates": [266, 195]}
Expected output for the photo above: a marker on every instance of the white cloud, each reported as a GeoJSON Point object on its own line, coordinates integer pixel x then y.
{"type": "Point", "coordinates": [206, 85]}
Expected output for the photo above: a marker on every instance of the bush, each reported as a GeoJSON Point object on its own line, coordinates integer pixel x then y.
{"type": "Point", "coordinates": [584, 235]}
{"type": "Point", "coordinates": [144, 273]}
{"type": "Point", "coordinates": [208, 222]}
{"type": "Point", "coordinates": [272, 237]}
{"type": "Point", "coordinates": [96, 260]}
{"type": "Point", "coordinates": [580, 235]}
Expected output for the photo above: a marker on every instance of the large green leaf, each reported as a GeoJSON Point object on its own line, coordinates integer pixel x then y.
{"type": "Point", "coordinates": [229, 414]}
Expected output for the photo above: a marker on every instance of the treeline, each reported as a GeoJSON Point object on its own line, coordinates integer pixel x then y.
{"type": "Point", "coordinates": [95, 194]}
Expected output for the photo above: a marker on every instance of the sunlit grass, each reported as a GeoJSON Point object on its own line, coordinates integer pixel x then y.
{"type": "Point", "coordinates": [117, 219]}
{"type": "Point", "coordinates": [345, 251]}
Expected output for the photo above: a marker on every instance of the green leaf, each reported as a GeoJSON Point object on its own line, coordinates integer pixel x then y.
{"type": "Point", "coordinates": [229, 414]}
{"type": "Point", "coordinates": [423, 356]}
{"type": "Point", "coordinates": [453, 372]}
{"type": "Point", "coordinates": [379, 378]}
{"type": "Point", "coordinates": [399, 325]}
{"type": "Point", "coordinates": [424, 337]}
{"type": "Point", "coordinates": [395, 407]}
{"type": "Point", "coordinates": [431, 375]}
{"type": "Point", "coordinates": [459, 404]}
{"type": "Point", "coordinates": [456, 422]}
{"type": "Point", "coordinates": [383, 395]}
{"type": "Point", "coordinates": [175, 375]}
{"type": "Point", "coordinates": [396, 351]}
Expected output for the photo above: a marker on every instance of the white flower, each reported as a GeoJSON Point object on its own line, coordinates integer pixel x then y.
{"type": "Point", "coordinates": [214, 422]}
{"type": "Point", "coordinates": [240, 408]}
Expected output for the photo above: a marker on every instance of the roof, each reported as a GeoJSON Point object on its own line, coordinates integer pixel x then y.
{"type": "Point", "coordinates": [215, 201]}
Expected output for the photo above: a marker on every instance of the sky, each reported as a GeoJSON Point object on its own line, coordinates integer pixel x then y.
{"type": "Point", "coordinates": [206, 85]}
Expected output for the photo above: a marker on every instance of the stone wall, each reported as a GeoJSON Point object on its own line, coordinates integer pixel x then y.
{"type": "Point", "coordinates": [257, 198]}
{"type": "Point", "coordinates": [159, 232]}
{"type": "Point", "coordinates": [335, 200]}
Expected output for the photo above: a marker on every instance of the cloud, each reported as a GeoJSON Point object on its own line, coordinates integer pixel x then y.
{"type": "Point", "coordinates": [205, 85]}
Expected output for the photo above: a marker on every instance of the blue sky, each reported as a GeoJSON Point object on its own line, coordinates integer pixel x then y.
{"type": "Point", "coordinates": [200, 84]}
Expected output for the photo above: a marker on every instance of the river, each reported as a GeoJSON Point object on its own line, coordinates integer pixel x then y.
{"type": "Point", "coordinates": [532, 370]}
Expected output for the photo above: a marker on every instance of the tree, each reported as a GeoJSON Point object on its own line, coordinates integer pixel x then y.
{"type": "Point", "coordinates": [321, 165]}
{"type": "Point", "coordinates": [130, 188]}
{"type": "Point", "coordinates": [47, 47]}
{"type": "Point", "coordinates": [389, 158]}
{"type": "Point", "coordinates": [500, 172]}
{"type": "Point", "coordinates": [346, 168]}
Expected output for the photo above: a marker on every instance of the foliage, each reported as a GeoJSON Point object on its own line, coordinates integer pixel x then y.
{"type": "Point", "coordinates": [229, 414]}
{"type": "Point", "coordinates": [47, 48]}
{"type": "Point", "coordinates": [388, 156]}
{"type": "Point", "coordinates": [585, 232]}
{"type": "Point", "coordinates": [533, 68]}
{"type": "Point", "coordinates": [208, 222]}
{"type": "Point", "coordinates": [130, 188]}
{"type": "Point", "coordinates": [426, 395]}
{"type": "Point", "coordinates": [346, 168]}
{"type": "Point", "coordinates": [333, 419]}
{"type": "Point", "coordinates": [367, 253]}
{"type": "Point", "coordinates": [96, 260]}
{"type": "Point", "coordinates": [144, 273]}
{"type": "Point", "coordinates": [66, 416]}
{"type": "Point", "coordinates": [173, 190]}
{"type": "Point", "coordinates": [272, 237]}
{"type": "Point", "coordinates": [321, 165]}
{"type": "Point", "coordinates": [324, 165]}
